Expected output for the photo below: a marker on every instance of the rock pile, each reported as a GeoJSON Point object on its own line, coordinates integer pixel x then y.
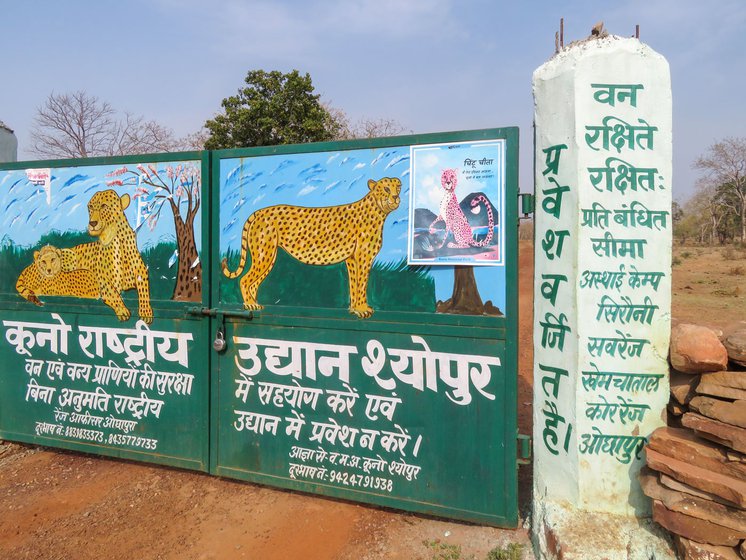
{"type": "Point", "coordinates": [696, 466]}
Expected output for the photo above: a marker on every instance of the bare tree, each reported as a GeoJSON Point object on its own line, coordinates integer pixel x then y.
{"type": "Point", "coordinates": [714, 213]}
{"type": "Point", "coordinates": [704, 217]}
{"type": "Point", "coordinates": [77, 124]}
{"type": "Point", "coordinates": [364, 127]}
{"type": "Point", "coordinates": [376, 128]}
{"type": "Point", "coordinates": [725, 170]}
{"type": "Point", "coordinates": [342, 120]}
{"type": "Point", "coordinates": [193, 141]}
{"type": "Point", "coordinates": [177, 187]}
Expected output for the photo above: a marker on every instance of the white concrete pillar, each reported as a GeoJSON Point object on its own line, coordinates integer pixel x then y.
{"type": "Point", "coordinates": [602, 294]}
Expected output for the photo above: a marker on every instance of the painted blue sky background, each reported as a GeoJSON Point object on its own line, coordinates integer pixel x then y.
{"type": "Point", "coordinates": [26, 215]}
{"type": "Point", "coordinates": [310, 179]}
{"type": "Point", "coordinates": [329, 179]}
{"type": "Point", "coordinates": [434, 65]}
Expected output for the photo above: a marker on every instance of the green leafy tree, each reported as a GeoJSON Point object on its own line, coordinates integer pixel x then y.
{"type": "Point", "coordinates": [274, 108]}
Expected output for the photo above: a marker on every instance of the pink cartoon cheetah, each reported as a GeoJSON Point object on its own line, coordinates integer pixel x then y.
{"type": "Point", "coordinates": [454, 218]}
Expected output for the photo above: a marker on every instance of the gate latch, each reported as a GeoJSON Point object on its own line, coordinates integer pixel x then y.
{"type": "Point", "coordinates": [211, 312]}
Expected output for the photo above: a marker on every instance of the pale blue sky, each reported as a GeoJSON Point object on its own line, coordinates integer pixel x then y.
{"type": "Point", "coordinates": [433, 65]}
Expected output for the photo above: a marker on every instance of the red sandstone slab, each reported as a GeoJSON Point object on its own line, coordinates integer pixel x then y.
{"type": "Point", "coordinates": [705, 388]}
{"type": "Point", "coordinates": [683, 386]}
{"type": "Point", "coordinates": [674, 484]}
{"type": "Point", "coordinates": [691, 550]}
{"type": "Point", "coordinates": [735, 456]}
{"type": "Point", "coordinates": [695, 529]}
{"type": "Point", "coordinates": [732, 518]}
{"type": "Point", "coordinates": [735, 344]}
{"type": "Point", "coordinates": [727, 487]}
{"type": "Point", "coordinates": [696, 349]}
{"type": "Point", "coordinates": [735, 379]}
{"type": "Point", "coordinates": [714, 430]}
{"type": "Point", "coordinates": [675, 408]}
{"type": "Point", "coordinates": [684, 445]}
{"type": "Point", "coordinates": [726, 411]}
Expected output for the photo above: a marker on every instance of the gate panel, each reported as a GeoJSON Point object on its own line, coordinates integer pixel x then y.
{"type": "Point", "coordinates": [107, 361]}
{"type": "Point", "coordinates": [367, 293]}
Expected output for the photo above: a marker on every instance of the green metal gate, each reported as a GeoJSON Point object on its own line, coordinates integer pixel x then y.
{"type": "Point", "coordinates": [108, 361]}
{"type": "Point", "coordinates": [346, 325]}
{"type": "Point", "coordinates": [412, 406]}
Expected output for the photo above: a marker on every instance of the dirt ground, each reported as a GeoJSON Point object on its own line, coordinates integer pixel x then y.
{"type": "Point", "coordinates": [56, 505]}
{"type": "Point", "coordinates": [709, 285]}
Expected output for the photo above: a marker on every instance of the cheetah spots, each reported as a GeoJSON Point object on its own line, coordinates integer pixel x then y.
{"type": "Point", "coordinates": [318, 236]}
{"type": "Point", "coordinates": [102, 269]}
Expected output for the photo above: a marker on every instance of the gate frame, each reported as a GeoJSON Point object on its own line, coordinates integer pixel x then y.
{"type": "Point", "coordinates": [166, 309]}
{"type": "Point", "coordinates": [493, 328]}
{"type": "Point", "coordinates": [503, 328]}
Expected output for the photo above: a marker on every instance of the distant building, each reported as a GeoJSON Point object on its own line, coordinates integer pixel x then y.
{"type": "Point", "coordinates": [8, 144]}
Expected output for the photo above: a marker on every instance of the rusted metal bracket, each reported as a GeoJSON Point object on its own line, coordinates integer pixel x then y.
{"type": "Point", "coordinates": [528, 203]}
{"type": "Point", "coordinates": [524, 450]}
{"type": "Point", "coordinates": [211, 312]}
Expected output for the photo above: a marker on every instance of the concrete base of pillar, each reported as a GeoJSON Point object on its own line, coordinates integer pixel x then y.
{"type": "Point", "coordinates": [561, 533]}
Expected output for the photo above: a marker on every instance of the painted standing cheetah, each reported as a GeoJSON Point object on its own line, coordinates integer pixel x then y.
{"type": "Point", "coordinates": [352, 233]}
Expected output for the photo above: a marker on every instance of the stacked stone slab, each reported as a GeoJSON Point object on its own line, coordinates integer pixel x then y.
{"type": "Point", "coordinates": [696, 466]}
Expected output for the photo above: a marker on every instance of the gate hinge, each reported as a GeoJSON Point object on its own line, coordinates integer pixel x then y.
{"type": "Point", "coordinates": [528, 203]}
{"type": "Point", "coordinates": [524, 449]}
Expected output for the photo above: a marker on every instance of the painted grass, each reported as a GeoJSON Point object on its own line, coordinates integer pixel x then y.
{"type": "Point", "coordinates": [392, 286]}
{"type": "Point", "coordinates": [13, 259]}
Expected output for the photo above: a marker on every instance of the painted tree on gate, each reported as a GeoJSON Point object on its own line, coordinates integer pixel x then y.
{"type": "Point", "coordinates": [177, 187]}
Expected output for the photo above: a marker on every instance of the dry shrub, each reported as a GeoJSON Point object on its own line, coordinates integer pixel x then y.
{"type": "Point", "coordinates": [729, 254]}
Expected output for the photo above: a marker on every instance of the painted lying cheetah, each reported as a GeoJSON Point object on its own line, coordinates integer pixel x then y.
{"type": "Point", "coordinates": [101, 269]}
{"type": "Point", "coordinates": [352, 233]}
{"type": "Point", "coordinates": [55, 272]}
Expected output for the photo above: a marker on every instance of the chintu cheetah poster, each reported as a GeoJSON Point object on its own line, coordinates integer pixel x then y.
{"type": "Point", "coordinates": [457, 199]}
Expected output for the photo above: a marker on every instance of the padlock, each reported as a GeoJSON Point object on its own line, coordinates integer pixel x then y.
{"type": "Point", "coordinates": [219, 343]}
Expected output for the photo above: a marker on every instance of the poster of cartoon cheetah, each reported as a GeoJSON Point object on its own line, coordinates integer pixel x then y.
{"type": "Point", "coordinates": [457, 200]}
